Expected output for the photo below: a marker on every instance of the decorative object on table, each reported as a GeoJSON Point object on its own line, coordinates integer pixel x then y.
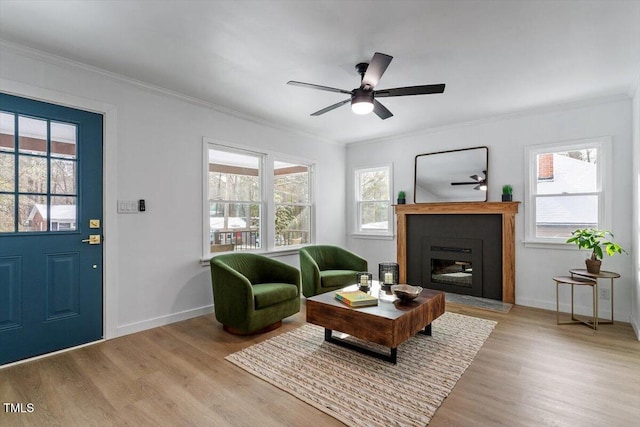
{"type": "Point", "coordinates": [388, 273]}
{"type": "Point", "coordinates": [356, 298]}
{"type": "Point", "coordinates": [594, 240]}
{"type": "Point", "coordinates": [364, 280]}
{"type": "Point", "coordinates": [507, 193]}
{"type": "Point", "coordinates": [434, 365]}
{"type": "Point", "coordinates": [402, 197]}
{"type": "Point", "coordinates": [406, 293]}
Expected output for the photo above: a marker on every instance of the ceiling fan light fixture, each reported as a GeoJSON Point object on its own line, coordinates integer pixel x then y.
{"type": "Point", "coordinates": [362, 102]}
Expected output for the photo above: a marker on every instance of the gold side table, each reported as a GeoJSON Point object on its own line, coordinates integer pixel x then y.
{"type": "Point", "coordinates": [579, 281]}
{"type": "Point", "coordinates": [602, 275]}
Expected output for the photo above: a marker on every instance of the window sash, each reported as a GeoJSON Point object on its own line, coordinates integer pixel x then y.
{"type": "Point", "coordinates": [383, 201]}
{"type": "Point", "coordinates": [603, 187]}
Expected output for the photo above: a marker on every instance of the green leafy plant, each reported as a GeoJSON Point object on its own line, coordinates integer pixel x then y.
{"type": "Point", "coordinates": [402, 195]}
{"type": "Point", "coordinates": [507, 189]}
{"type": "Point", "coordinates": [595, 240]}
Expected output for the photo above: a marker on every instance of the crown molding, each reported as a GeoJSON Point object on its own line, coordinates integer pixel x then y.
{"type": "Point", "coordinates": [569, 105]}
{"type": "Point", "coordinates": [66, 62]}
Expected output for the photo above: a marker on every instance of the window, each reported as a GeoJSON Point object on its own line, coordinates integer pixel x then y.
{"type": "Point", "coordinates": [254, 202]}
{"type": "Point", "coordinates": [38, 179]}
{"type": "Point", "coordinates": [292, 198]}
{"type": "Point", "coordinates": [234, 199]}
{"type": "Point", "coordinates": [566, 190]}
{"type": "Point", "coordinates": [373, 201]}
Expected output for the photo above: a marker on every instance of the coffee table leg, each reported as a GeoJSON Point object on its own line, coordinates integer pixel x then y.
{"type": "Point", "coordinates": [426, 330]}
{"type": "Point", "coordinates": [391, 357]}
{"type": "Point", "coordinates": [327, 334]}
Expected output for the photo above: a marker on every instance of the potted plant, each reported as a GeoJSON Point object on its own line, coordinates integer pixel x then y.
{"type": "Point", "coordinates": [402, 197]}
{"type": "Point", "coordinates": [507, 193]}
{"type": "Point", "coordinates": [594, 240]}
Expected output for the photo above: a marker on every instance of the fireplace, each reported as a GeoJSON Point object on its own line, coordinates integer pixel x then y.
{"type": "Point", "coordinates": [456, 253]}
{"type": "Point", "coordinates": [463, 244]}
{"type": "Point", "coordinates": [448, 265]}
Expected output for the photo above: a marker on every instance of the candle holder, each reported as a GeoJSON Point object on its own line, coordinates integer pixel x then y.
{"type": "Point", "coordinates": [364, 280]}
{"type": "Point", "coordinates": [388, 273]}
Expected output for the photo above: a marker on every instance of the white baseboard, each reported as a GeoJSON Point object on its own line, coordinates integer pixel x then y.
{"type": "Point", "coordinates": [635, 326]}
{"type": "Point", "coordinates": [603, 312]}
{"type": "Point", "coordinates": [163, 320]}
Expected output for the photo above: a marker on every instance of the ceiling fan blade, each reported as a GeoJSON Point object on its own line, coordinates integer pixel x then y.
{"type": "Point", "coordinates": [411, 90]}
{"type": "Point", "coordinates": [381, 111]}
{"type": "Point", "coordinates": [464, 183]}
{"type": "Point", "coordinates": [331, 107]}
{"type": "Point", "coordinates": [318, 87]}
{"type": "Point", "coordinates": [376, 69]}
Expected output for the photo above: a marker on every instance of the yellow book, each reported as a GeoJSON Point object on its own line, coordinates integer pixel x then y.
{"type": "Point", "coordinates": [356, 298]}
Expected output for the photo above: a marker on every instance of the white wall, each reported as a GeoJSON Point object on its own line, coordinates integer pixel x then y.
{"type": "Point", "coordinates": [152, 267]}
{"type": "Point", "coordinates": [507, 138]}
{"type": "Point", "coordinates": [635, 286]}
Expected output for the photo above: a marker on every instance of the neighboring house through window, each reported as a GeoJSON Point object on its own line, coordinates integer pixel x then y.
{"type": "Point", "coordinates": [373, 201]}
{"type": "Point", "coordinates": [255, 201]}
{"type": "Point", "coordinates": [566, 190]}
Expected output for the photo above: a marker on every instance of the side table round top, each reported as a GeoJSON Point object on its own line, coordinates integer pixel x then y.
{"type": "Point", "coordinates": [601, 275]}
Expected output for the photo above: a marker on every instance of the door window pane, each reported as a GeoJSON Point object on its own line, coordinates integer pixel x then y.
{"type": "Point", "coordinates": [7, 172]}
{"type": "Point", "coordinates": [32, 174]}
{"type": "Point", "coordinates": [7, 213]}
{"type": "Point", "coordinates": [32, 135]}
{"type": "Point", "coordinates": [63, 140]}
{"type": "Point", "coordinates": [7, 132]}
{"type": "Point", "coordinates": [63, 176]}
{"type": "Point", "coordinates": [32, 213]}
{"type": "Point", "coordinates": [63, 214]}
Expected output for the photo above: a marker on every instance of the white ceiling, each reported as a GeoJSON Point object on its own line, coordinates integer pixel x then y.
{"type": "Point", "coordinates": [496, 57]}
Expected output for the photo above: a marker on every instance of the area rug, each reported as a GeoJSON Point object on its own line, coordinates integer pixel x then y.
{"type": "Point", "coordinates": [360, 390]}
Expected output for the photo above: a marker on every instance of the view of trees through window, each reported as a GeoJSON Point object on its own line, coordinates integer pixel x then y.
{"type": "Point", "coordinates": [292, 198]}
{"type": "Point", "coordinates": [373, 199]}
{"type": "Point", "coordinates": [234, 201]}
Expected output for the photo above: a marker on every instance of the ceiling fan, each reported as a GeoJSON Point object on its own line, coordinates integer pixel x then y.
{"type": "Point", "coordinates": [480, 182]}
{"type": "Point", "coordinates": [363, 99]}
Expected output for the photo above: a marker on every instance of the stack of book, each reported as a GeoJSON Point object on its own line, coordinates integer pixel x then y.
{"type": "Point", "coordinates": [356, 298]}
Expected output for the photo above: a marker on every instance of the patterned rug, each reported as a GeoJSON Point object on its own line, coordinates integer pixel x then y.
{"type": "Point", "coordinates": [360, 390]}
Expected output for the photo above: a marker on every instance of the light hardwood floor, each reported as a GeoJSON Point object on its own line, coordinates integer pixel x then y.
{"type": "Point", "coordinates": [530, 372]}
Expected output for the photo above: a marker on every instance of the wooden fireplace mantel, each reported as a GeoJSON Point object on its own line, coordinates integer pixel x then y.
{"type": "Point", "coordinates": [507, 210]}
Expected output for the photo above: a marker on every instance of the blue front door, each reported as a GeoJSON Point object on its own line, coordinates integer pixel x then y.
{"type": "Point", "coordinates": [50, 227]}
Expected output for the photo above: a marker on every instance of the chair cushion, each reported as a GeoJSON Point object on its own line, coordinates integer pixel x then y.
{"type": "Point", "coordinates": [335, 278]}
{"type": "Point", "coordinates": [268, 294]}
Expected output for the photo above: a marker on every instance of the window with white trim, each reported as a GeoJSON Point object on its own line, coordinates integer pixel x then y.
{"type": "Point", "coordinates": [255, 201]}
{"type": "Point", "coordinates": [373, 200]}
{"type": "Point", "coordinates": [566, 189]}
{"type": "Point", "coordinates": [292, 199]}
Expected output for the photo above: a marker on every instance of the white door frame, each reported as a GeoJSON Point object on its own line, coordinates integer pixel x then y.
{"type": "Point", "coordinates": [110, 185]}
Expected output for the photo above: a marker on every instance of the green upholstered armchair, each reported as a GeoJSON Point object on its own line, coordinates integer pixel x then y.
{"type": "Point", "coordinates": [253, 293]}
{"type": "Point", "coordinates": [326, 268]}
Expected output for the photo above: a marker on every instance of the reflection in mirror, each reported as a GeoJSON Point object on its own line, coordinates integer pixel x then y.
{"type": "Point", "coordinates": [452, 176]}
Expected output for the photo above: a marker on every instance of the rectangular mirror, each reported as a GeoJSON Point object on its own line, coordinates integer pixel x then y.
{"type": "Point", "coordinates": [452, 176]}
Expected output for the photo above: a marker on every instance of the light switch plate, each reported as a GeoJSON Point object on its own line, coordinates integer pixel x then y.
{"type": "Point", "coordinates": [127, 206]}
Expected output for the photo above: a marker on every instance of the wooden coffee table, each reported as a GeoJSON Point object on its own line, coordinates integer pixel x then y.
{"type": "Point", "coordinates": [389, 323]}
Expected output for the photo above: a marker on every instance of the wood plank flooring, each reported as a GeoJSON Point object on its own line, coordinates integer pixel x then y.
{"type": "Point", "coordinates": [530, 372]}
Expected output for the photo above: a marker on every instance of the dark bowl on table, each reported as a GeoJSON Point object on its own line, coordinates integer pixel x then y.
{"type": "Point", "coordinates": [406, 293]}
